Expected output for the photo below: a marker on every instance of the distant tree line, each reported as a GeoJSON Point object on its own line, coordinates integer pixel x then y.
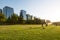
{"type": "Point", "coordinates": [56, 23]}
{"type": "Point", "coordinates": [15, 19]}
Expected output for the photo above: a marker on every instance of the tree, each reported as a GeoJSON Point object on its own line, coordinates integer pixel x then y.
{"type": "Point", "coordinates": [8, 20]}
{"type": "Point", "coordinates": [13, 19]}
{"type": "Point", "coordinates": [48, 21]}
{"type": "Point", "coordinates": [21, 20]}
{"type": "Point", "coordinates": [2, 18]}
{"type": "Point", "coordinates": [37, 20]}
{"type": "Point", "coordinates": [43, 22]}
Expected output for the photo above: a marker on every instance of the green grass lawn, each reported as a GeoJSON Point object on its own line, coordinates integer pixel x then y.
{"type": "Point", "coordinates": [29, 32]}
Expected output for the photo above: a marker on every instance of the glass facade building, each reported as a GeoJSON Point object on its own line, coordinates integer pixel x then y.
{"type": "Point", "coordinates": [29, 17]}
{"type": "Point", "coordinates": [8, 11]}
{"type": "Point", "coordinates": [23, 14]}
{"type": "Point", "coordinates": [0, 10]}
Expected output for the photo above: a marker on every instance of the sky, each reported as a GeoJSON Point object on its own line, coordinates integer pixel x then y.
{"type": "Point", "coordinates": [43, 9]}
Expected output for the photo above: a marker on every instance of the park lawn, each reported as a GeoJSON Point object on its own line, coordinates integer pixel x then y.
{"type": "Point", "coordinates": [29, 32]}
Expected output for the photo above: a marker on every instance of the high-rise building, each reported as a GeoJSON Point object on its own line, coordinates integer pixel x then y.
{"type": "Point", "coordinates": [23, 14]}
{"type": "Point", "coordinates": [32, 17]}
{"type": "Point", "coordinates": [29, 17]}
{"type": "Point", "coordinates": [8, 11]}
{"type": "Point", "coordinates": [0, 10]}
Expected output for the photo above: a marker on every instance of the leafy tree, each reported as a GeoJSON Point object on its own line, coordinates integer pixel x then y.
{"type": "Point", "coordinates": [21, 20]}
{"type": "Point", "coordinates": [37, 20]}
{"type": "Point", "coordinates": [2, 18]}
{"type": "Point", "coordinates": [13, 19]}
{"type": "Point", "coordinates": [43, 22]}
{"type": "Point", "coordinates": [56, 23]}
{"type": "Point", "coordinates": [8, 21]}
{"type": "Point", "coordinates": [48, 21]}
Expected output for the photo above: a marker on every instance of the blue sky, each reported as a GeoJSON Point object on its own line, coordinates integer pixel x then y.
{"type": "Point", "coordinates": [44, 9]}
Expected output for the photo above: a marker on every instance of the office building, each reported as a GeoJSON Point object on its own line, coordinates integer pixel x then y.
{"type": "Point", "coordinates": [8, 11]}
{"type": "Point", "coordinates": [23, 14]}
{"type": "Point", "coordinates": [0, 10]}
{"type": "Point", "coordinates": [29, 17]}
